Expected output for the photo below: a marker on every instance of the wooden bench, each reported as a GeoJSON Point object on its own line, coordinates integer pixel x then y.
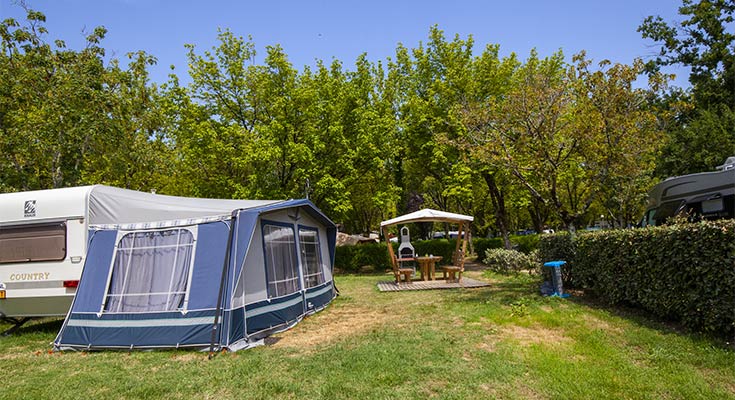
{"type": "Point", "coordinates": [450, 273]}
{"type": "Point", "coordinates": [400, 272]}
{"type": "Point", "coordinates": [453, 272]}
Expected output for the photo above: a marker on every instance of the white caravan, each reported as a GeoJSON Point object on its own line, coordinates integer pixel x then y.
{"type": "Point", "coordinates": [43, 238]}
{"type": "Point", "coordinates": [43, 241]}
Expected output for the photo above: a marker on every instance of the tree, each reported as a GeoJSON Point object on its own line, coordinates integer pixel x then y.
{"type": "Point", "coordinates": [479, 109]}
{"type": "Point", "coordinates": [251, 130]}
{"type": "Point", "coordinates": [704, 42]}
{"type": "Point", "coordinates": [434, 78]}
{"type": "Point", "coordinates": [49, 105]}
{"type": "Point", "coordinates": [624, 136]}
{"type": "Point", "coordinates": [570, 136]}
{"type": "Point", "coordinates": [130, 150]}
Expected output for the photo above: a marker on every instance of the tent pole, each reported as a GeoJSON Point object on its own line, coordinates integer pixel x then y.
{"type": "Point", "coordinates": [220, 296]}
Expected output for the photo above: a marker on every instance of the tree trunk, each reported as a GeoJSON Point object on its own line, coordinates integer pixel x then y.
{"type": "Point", "coordinates": [501, 215]}
{"type": "Point", "coordinates": [539, 215]}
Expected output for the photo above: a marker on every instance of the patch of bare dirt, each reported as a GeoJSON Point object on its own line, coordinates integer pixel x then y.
{"type": "Point", "coordinates": [189, 357]}
{"type": "Point", "coordinates": [333, 325]}
{"type": "Point", "coordinates": [731, 387]}
{"type": "Point", "coordinates": [474, 266]}
{"type": "Point", "coordinates": [716, 378]}
{"type": "Point", "coordinates": [597, 323]}
{"type": "Point", "coordinates": [526, 392]}
{"type": "Point", "coordinates": [13, 356]}
{"type": "Point", "coordinates": [488, 344]}
{"type": "Point", "coordinates": [534, 335]}
{"type": "Point", "coordinates": [546, 309]}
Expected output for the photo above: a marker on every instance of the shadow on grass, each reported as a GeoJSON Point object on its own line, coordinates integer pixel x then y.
{"type": "Point", "coordinates": [509, 289]}
{"type": "Point", "coordinates": [502, 292]}
{"type": "Point", "coordinates": [646, 319]}
{"type": "Point", "coordinates": [45, 325]}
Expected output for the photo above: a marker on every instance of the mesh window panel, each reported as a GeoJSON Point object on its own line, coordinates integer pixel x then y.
{"type": "Point", "coordinates": [280, 258]}
{"type": "Point", "coordinates": [150, 271]}
{"type": "Point", "coordinates": [311, 257]}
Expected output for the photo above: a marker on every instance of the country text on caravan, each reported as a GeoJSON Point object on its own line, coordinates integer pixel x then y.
{"type": "Point", "coordinates": [30, 276]}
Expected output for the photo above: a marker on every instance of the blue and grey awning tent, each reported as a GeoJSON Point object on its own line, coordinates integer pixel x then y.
{"type": "Point", "coordinates": [223, 273]}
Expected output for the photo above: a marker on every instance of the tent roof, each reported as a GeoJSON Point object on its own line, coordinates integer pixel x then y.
{"type": "Point", "coordinates": [106, 205]}
{"type": "Point", "coordinates": [111, 205]}
{"type": "Point", "coordinates": [427, 215]}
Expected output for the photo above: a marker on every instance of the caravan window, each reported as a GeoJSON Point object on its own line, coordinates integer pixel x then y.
{"type": "Point", "coordinates": [311, 257]}
{"type": "Point", "coordinates": [150, 271]}
{"type": "Point", "coordinates": [35, 242]}
{"type": "Point", "coordinates": [280, 260]}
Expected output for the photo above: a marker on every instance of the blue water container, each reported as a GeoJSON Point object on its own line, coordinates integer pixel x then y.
{"type": "Point", "coordinates": [556, 277]}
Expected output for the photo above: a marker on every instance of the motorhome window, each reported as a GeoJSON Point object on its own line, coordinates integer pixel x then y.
{"type": "Point", "coordinates": [150, 271]}
{"type": "Point", "coordinates": [712, 206]}
{"type": "Point", "coordinates": [667, 210]}
{"type": "Point", "coordinates": [649, 217]}
{"type": "Point", "coordinates": [33, 242]}
{"type": "Point", "coordinates": [280, 260]}
{"type": "Point", "coordinates": [311, 257]}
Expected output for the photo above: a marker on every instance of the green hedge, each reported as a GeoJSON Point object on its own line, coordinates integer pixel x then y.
{"type": "Point", "coordinates": [352, 258]}
{"type": "Point", "coordinates": [526, 244]}
{"type": "Point", "coordinates": [683, 272]}
{"type": "Point", "coordinates": [482, 245]}
{"type": "Point", "coordinates": [555, 247]}
{"type": "Point", "coordinates": [437, 247]}
{"type": "Point", "coordinates": [510, 261]}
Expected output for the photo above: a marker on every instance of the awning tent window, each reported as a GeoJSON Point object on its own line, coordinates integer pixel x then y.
{"type": "Point", "coordinates": [311, 257]}
{"type": "Point", "coordinates": [280, 259]}
{"type": "Point", "coordinates": [150, 271]}
{"type": "Point", "coordinates": [36, 242]}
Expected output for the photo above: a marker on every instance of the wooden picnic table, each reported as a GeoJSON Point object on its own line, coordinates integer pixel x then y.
{"type": "Point", "coordinates": [428, 266]}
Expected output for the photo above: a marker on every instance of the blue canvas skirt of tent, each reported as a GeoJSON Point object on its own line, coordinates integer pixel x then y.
{"type": "Point", "coordinates": [215, 282]}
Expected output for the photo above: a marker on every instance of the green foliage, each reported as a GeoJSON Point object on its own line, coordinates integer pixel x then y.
{"type": "Point", "coordinates": [270, 131]}
{"type": "Point", "coordinates": [482, 245]}
{"type": "Point", "coordinates": [510, 261]}
{"type": "Point", "coordinates": [685, 272]}
{"type": "Point", "coordinates": [603, 140]}
{"type": "Point", "coordinates": [353, 258]}
{"type": "Point", "coordinates": [702, 39]}
{"type": "Point", "coordinates": [525, 243]}
{"type": "Point", "coordinates": [67, 119]}
{"type": "Point", "coordinates": [689, 148]}
{"type": "Point", "coordinates": [442, 125]}
{"type": "Point", "coordinates": [438, 247]}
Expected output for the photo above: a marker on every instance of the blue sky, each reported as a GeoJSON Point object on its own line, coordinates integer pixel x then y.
{"type": "Point", "coordinates": [320, 29]}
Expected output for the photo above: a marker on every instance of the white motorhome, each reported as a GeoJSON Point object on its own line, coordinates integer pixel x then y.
{"type": "Point", "coordinates": [704, 195]}
{"type": "Point", "coordinates": [43, 238]}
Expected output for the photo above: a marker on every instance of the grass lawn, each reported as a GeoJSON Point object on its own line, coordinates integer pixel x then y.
{"type": "Point", "coordinates": [504, 341]}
